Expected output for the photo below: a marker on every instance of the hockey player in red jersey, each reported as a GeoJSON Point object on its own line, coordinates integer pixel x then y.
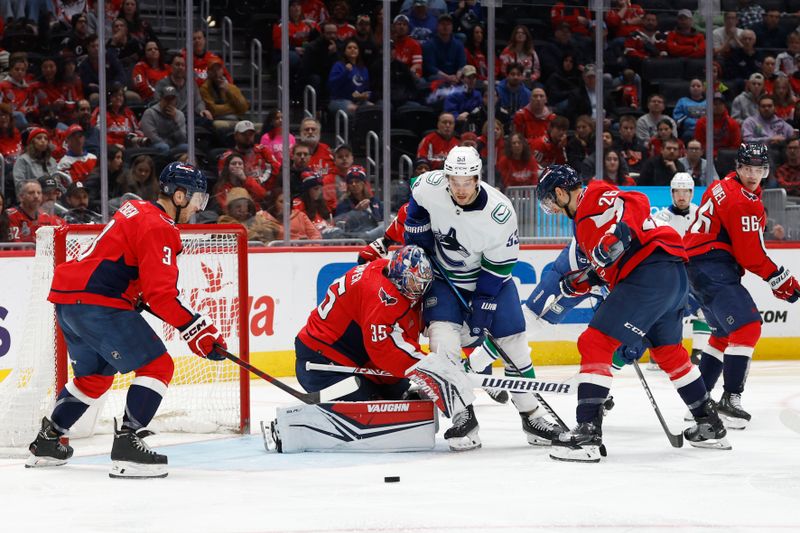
{"type": "Point", "coordinates": [370, 317]}
{"type": "Point", "coordinates": [642, 264]}
{"type": "Point", "coordinates": [725, 239]}
{"type": "Point", "coordinates": [133, 259]}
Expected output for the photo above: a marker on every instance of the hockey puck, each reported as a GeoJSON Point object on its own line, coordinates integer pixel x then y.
{"type": "Point", "coordinates": [391, 479]}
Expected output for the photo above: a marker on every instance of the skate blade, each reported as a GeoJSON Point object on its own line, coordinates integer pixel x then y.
{"type": "Point", "coordinates": [733, 422]}
{"type": "Point", "coordinates": [43, 462]}
{"type": "Point", "coordinates": [582, 454]}
{"type": "Point", "coordinates": [128, 470]}
{"type": "Point", "coordinates": [713, 444]}
{"type": "Point", "coordinates": [471, 441]}
{"type": "Point", "coordinates": [536, 440]}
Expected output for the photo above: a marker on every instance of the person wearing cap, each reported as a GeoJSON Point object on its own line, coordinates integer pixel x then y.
{"type": "Point", "coordinates": [348, 80]}
{"type": "Point", "coordinates": [163, 123]}
{"type": "Point", "coordinates": [51, 191]}
{"type": "Point", "coordinates": [684, 40]}
{"type": "Point", "coordinates": [334, 183]}
{"type": "Point", "coordinates": [77, 162]}
{"type": "Point", "coordinates": [223, 99]}
{"type": "Point", "coordinates": [465, 98]}
{"type": "Point", "coordinates": [421, 165]}
{"type": "Point", "coordinates": [76, 199]}
{"type": "Point", "coordinates": [37, 161]}
{"type": "Point", "coordinates": [746, 103]}
{"type": "Point", "coordinates": [421, 20]}
{"type": "Point", "coordinates": [406, 49]}
{"type": "Point", "coordinates": [259, 162]}
{"type": "Point", "coordinates": [443, 56]}
{"type": "Point", "coordinates": [520, 50]}
{"type": "Point", "coordinates": [727, 132]}
{"type": "Point", "coordinates": [437, 144]}
{"type": "Point", "coordinates": [359, 198]}
{"type": "Point", "coordinates": [240, 209]}
{"type": "Point", "coordinates": [27, 216]}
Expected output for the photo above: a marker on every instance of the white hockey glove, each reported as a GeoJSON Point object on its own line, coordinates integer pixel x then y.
{"type": "Point", "coordinates": [444, 382]}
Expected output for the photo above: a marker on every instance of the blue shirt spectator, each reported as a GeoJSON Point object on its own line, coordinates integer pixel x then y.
{"type": "Point", "coordinates": [513, 94]}
{"type": "Point", "coordinates": [443, 56]}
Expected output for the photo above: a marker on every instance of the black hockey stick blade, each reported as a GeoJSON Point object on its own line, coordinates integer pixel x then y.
{"type": "Point", "coordinates": [675, 440]}
{"type": "Point", "coordinates": [337, 390]}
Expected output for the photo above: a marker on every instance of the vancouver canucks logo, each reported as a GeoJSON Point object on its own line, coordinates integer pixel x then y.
{"type": "Point", "coordinates": [448, 242]}
{"type": "Point", "coordinates": [501, 213]}
{"type": "Point", "coordinates": [386, 298]}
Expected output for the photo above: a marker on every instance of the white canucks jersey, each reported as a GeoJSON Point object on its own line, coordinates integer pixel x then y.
{"type": "Point", "coordinates": [680, 222]}
{"type": "Point", "coordinates": [479, 238]}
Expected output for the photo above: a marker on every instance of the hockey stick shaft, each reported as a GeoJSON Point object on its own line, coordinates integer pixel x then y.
{"type": "Point", "coordinates": [513, 384]}
{"type": "Point", "coordinates": [503, 355]}
{"type": "Point", "coordinates": [675, 440]}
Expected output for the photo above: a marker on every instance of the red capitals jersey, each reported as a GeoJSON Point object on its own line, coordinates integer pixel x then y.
{"type": "Point", "coordinates": [78, 166]}
{"type": "Point", "coordinates": [135, 254]}
{"type": "Point", "coordinates": [19, 97]}
{"type": "Point", "coordinates": [200, 66]}
{"type": "Point", "coordinates": [408, 51]}
{"type": "Point", "coordinates": [119, 124]}
{"type": "Point", "coordinates": [435, 148]}
{"type": "Point", "coordinates": [145, 78]}
{"type": "Point", "coordinates": [364, 320]}
{"type": "Point", "coordinates": [529, 125]}
{"type": "Point", "coordinates": [259, 164]}
{"type": "Point", "coordinates": [396, 229]}
{"type": "Point", "coordinates": [11, 146]}
{"type": "Point", "coordinates": [516, 172]}
{"type": "Point", "coordinates": [732, 219]}
{"type": "Point", "coordinates": [299, 34]}
{"type": "Point", "coordinates": [600, 206]}
{"type": "Point", "coordinates": [321, 160]}
{"type": "Point", "coordinates": [546, 152]}
{"type": "Point", "coordinates": [22, 228]}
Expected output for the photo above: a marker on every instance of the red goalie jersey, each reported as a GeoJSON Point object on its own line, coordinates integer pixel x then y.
{"type": "Point", "coordinates": [135, 254]}
{"type": "Point", "coordinates": [601, 206]}
{"type": "Point", "coordinates": [732, 219]}
{"type": "Point", "coordinates": [365, 320]}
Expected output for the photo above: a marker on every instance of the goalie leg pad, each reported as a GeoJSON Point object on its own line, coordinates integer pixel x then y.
{"type": "Point", "coordinates": [444, 382]}
{"type": "Point", "coordinates": [383, 426]}
{"type": "Point", "coordinates": [445, 338]}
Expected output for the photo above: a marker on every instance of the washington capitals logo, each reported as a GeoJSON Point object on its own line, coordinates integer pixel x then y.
{"type": "Point", "coordinates": [213, 277]}
{"type": "Point", "coordinates": [386, 299]}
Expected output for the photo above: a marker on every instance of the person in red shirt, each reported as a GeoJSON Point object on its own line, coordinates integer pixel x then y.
{"type": "Point", "coordinates": [203, 58]}
{"type": "Point", "coordinates": [726, 239]}
{"type": "Point", "coordinates": [149, 71]}
{"type": "Point", "coordinates": [476, 50]}
{"type": "Point", "coordinates": [684, 40]}
{"type": "Point", "coordinates": [437, 144]}
{"type": "Point", "coordinates": [321, 160]}
{"type": "Point", "coordinates": [727, 131]}
{"type": "Point", "coordinates": [122, 128]}
{"type": "Point", "coordinates": [334, 184]}
{"type": "Point", "coordinates": [532, 120]}
{"type": "Point", "coordinates": [133, 263]}
{"type": "Point", "coordinates": [625, 19]}
{"type": "Point", "coordinates": [340, 11]}
{"type": "Point", "coordinates": [27, 217]}
{"type": "Point", "coordinates": [259, 163]}
{"type": "Point", "coordinates": [312, 203]}
{"type": "Point", "coordinates": [77, 162]}
{"type": "Point", "coordinates": [405, 49]}
{"type": "Point", "coordinates": [10, 137]}
{"type": "Point", "coordinates": [578, 17]}
{"type": "Point", "coordinates": [233, 175]}
{"type": "Point", "coordinates": [16, 91]}
{"type": "Point", "coordinates": [550, 149]}
{"type": "Point", "coordinates": [517, 166]}
{"type": "Point", "coordinates": [642, 264]}
{"type": "Point", "coordinates": [314, 11]}
{"type": "Point", "coordinates": [300, 31]}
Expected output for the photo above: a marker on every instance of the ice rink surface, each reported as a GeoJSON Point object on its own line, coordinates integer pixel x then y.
{"type": "Point", "coordinates": [233, 485]}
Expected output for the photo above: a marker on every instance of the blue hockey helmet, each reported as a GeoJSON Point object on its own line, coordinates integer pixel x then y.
{"type": "Point", "coordinates": [561, 176]}
{"type": "Point", "coordinates": [410, 270]}
{"type": "Point", "coordinates": [184, 176]}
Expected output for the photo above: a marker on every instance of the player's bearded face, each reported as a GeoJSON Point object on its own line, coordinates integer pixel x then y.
{"type": "Point", "coordinates": [681, 198]}
{"type": "Point", "coordinates": [463, 189]}
{"type": "Point", "coordinates": [751, 176]}
{"type": "Point", "coordinates": [558, 202]}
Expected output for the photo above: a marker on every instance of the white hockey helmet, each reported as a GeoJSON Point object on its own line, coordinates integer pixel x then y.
{"type": "Point", "coordinates": [463, 161]}
{"type": "Point", "coordinates": [682, 181]}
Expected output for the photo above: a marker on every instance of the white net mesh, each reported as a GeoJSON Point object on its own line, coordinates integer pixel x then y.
{"type": "Point", "coordinates": [203, 397]}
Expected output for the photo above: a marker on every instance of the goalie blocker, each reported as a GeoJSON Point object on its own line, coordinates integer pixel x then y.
{"type": "Point", "coordinates": [380, 426]}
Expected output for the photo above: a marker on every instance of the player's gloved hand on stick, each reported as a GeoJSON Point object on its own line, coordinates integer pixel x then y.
{"type": "Point", "coordinates": [612, 245]}
{"type": "Point", "coordinates": [377, 249]}
{"type": "Point", "coordinates": [483, 308]}
{"type": "Point", "coordinates": [628, 354]}
{"type": "Point", "coordinates": [419, 233]}
{"type": "Point", "coordinates": [784, 285]}
{"type": "Point", "coordinates": [578, 282]}
{"type": "Point", "coordinates": [201, 335]}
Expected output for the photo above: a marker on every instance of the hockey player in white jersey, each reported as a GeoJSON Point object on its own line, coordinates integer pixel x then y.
{"type": "Point", "coordinates": [680, 215]}
{"type": "Point", "coordinates": [471, 230]}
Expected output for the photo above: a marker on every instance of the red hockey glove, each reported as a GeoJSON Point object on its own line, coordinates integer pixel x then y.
{"type": "Point", "coordinates": [377, 249]}
{"type": "Point", "coordinates": [784, 285]}
{"type": "Point", "coordinates": [201, 335]}
{"type": "Point", "coordinates": [612, 245]}
{"type": "Point", "coordinates": [578, 282]}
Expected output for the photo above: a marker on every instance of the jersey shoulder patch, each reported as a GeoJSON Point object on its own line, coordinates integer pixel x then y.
{"type": "Point", "coordinates": [502, 213]}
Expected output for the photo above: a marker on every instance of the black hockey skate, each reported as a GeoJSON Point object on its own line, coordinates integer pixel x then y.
{"type": "Point", "coordinates": [538, 430]}
{"type": "Point", "coordinates": [500, 396]}
{"type": "Point", "coordinates": [584, 444]}
{"type": "Point", "coordinates": [132, 458]}
{"type": "Point", "coordinates": [708, 431]}
{"type": "Point", "coordinates": [463, 435]}
{"type": "Point", "coordinates": [47, 449]}
{"type": "Point", "coordinates": [730, 411]}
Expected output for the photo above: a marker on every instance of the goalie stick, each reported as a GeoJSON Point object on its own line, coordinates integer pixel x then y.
{"type": "Point", "coordinates": [493, 343]}
{"type": "Point", "coordinates": [509, 383]}
{"type": "Point", "coordinates": [675, 440]}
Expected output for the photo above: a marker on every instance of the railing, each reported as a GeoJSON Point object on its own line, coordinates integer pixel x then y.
{"type": "Point", "coordinates": [373, 160]}
{"type": "Point", "coordinates": [17, 246]}
{"type": "Point", "coordinates": [205, 10]}
{"type": "Point", "coordinates": [404, 163]}
{"type": "Point", "coordinates": [227, 43]}
{"type": "Point", "coordinates": [319, 242]}
{"type": "Point", "coordinates": [255, 78]}
{"type": "Point", "coordinates": [775, 204]}
{"type": "Point", "coordinates": [309, 97]}
{"type": "Point", "coordinates": [534, 224]}
{"type": "Point", "coordinates": [342, 127]}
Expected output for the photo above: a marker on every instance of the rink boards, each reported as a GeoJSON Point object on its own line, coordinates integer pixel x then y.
{"type": "Point", "coordinates": [285, 284]}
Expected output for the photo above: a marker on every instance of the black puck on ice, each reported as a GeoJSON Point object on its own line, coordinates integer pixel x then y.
{"type": "Point", "coordinates": [391, 479]}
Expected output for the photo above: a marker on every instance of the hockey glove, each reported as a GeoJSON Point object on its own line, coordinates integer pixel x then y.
{"type": "Point", "coordinates": [443, 381]}
{"type": "Point", "coordinates": [377, 249]}
{"type": "Point", "coordinates": [201, 335]}
{"type": "Point", "coordinates": [784, 285]}
{"type": "Point", "coordinates": [629, 354]}
{"type": "Point", "coordinates": [612, 245]}
{"type": "Point", "coordinates": [579, 282]}
{"type": "Point", "coordinates": [483, 308]}
{"type": "Point", "coordinates": [419, 233]}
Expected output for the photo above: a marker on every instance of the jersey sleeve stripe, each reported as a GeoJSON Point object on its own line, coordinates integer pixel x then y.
{"type": "Point", "coordinates": [501, 269]}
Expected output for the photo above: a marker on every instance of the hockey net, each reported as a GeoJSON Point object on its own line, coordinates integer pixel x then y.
{"type": "Point", "coordinates": [203, 397]}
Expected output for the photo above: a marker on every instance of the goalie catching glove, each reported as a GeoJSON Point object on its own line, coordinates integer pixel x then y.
{"type": "Point", "coordinates": [377, 249]}
{"type": "Point", "coordinates": [202, 337]}
{"type": "Point", "coordinates": [784, 285]}
{"type": "Point", "coordinates": [444, 382]}
{"type": "Point", "coordinates": [612, 245]}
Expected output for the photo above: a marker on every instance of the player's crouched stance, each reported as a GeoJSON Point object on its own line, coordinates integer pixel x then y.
{"type": "Point", "coordinates": [134, 257]}
{"type": "Point", "coordinates": [642, 263]}
{"type": "Point", "coordinates": [370, 318]}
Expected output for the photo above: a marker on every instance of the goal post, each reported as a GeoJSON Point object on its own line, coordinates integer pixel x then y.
{"type": "Point", "coordinates": [204, 396]}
